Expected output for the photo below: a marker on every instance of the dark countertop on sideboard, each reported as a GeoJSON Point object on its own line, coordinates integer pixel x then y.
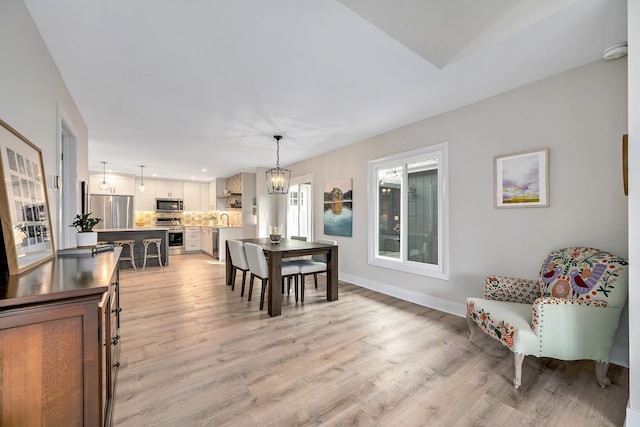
{"type": "Point", "coordinates": [65, 276]}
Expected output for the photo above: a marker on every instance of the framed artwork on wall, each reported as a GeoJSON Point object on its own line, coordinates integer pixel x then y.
{"type": "Point", "coordinates": [24, 208]}
{"type": "Point", "coordinates": [521, 180]}
{"type": "Point", "coordinates": [338, 207]}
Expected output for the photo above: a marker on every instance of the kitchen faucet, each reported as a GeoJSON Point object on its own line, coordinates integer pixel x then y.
{"type": "Point", "coordinates": [224, 214]}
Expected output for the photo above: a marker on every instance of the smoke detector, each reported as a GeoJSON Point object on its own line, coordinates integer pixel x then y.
{"type": "Point", "coordinates": [615, 52]}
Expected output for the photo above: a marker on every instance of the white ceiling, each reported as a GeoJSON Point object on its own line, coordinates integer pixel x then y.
{"type": "Point", "coordinates": [182, 86]}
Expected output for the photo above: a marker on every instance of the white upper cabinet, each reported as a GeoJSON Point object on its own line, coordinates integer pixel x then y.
{"type": "Point", "coordinates": [191, 196]}
{"type": "Point", "coordinates": [204, 197]}
{"type": "Point", "coordinates": [145, 200]}
{"type": "Point", "coordinates": [211, 204]}
{"type": "Point", "coordinates": [118, 184]}
{"type": "Point", "coordinates": [169, 189]}
{"type": "Point", "coordinates": [196, 196]}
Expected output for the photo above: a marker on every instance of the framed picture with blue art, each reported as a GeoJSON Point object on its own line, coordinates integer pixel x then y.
{"type": "Point", "coordinates": [338, 207]}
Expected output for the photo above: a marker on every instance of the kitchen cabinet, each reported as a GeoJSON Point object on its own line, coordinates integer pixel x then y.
{"type": "Point", "coordinates": [213, 187]}
{"type": "Point", "coordinates": [59, 341]}
{"type": "Point", "coordinates": [145, 200]}
{"type": "Point", "coordinates": [192, 239]}
{"type": "Point", "coordinates": [118, 184]}
{"type": "Point", "coordinates": [205, 205]}
{"type": "Point", "coordinates": [196, 196]}
{"type": "Point", "coordinates": [169, 189]}
{"type": "Point", "coordinates": [191, 196]}
{"type": "Point", "coordinates": [207, 240]}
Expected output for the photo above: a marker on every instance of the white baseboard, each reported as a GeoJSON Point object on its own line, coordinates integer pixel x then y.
{"type": "Point", "coordinates": [633, 418]}
{"type": "Point", "coordinates": [406, 295]}
{"type": "Point", "coordinates": [619, 355]}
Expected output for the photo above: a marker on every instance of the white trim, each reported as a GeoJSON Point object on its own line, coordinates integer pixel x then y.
{"type": "Point", "coordinates": [67, 195]}
{"type": "Point", "coordinates": [633, 418]}
{"type": "Point", "coordinates": [406, 295]}
{"type": "Point", "coordinates": [297, 180]}
{"type": "Point", "coordinates": [619, 356]}
{"type": "Point", "coordinates": [439, 271]}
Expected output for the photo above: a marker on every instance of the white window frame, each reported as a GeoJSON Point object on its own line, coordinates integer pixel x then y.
{"type": "Point", "coordinates": [441, 269]}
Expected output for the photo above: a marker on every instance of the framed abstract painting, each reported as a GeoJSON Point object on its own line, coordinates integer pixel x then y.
{"type": "Point", "coordinates": [521, 180]}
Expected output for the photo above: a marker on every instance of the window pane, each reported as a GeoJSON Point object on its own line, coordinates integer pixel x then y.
{"type": "Point", "coordinates": [422, 214]}
{"type": "Point", "coordinates": [389, 193]}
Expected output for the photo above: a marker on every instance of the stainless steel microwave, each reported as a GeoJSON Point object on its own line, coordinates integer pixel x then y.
{"type": "Point", "coordinates": [169, 205]}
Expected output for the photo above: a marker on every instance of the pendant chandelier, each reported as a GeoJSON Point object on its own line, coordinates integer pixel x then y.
{"type": "Point", "coordinates": [141, 186]}
{"type": "Point", "coordinates": [278, 178]}
{"type": "Point", "coordinates": [104, 185]}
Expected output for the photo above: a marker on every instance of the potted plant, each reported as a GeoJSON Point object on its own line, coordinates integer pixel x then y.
{"type": "Point", "coordinates": [86, 237]}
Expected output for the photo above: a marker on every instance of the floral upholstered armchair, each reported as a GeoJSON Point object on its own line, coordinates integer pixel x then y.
{"type": "Point", "coordinates": [571, 312]}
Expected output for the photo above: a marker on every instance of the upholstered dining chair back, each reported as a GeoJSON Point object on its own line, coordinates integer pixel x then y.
{"type": "Point", "coordinates": [238, 256]}
{"type": "Point", "coordinates": [323, 257]}
{"type": "Point", "coordinates": [256, 260]}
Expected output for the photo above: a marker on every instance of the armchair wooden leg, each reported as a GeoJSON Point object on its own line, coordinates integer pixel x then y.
{"type": "Point", "coordinates": [472, 328]}
{"type": "Point", "coordinates": [517, 363]}
{"type": "Point", "coordinates": [601, 374]}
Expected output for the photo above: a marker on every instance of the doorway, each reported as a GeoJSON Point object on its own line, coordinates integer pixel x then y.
{"type": "Point", "coordinates": [300, 209]}
{"type": "Point", "coordinates": [68, 185]}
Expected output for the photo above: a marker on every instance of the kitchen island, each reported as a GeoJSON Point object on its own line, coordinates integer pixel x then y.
{"type": "Point", "coordinates": [109, 235]}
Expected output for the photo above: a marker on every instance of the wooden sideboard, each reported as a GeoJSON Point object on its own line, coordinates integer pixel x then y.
{"type": "Point", "coordinates": [59, 342]}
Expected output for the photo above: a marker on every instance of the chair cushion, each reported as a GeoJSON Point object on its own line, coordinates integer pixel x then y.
{"type": "Point", "coordinates": [307, 267]}
{"type": "Point", "coordinates": [508, 322]}
{"type": "Point", "coordinates": [289, 269]}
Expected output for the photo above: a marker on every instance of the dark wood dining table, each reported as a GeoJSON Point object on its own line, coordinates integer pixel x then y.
{"type": "Point", "coordinates": [287, 248]}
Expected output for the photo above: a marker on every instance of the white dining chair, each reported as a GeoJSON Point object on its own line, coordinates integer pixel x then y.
{"type": "Point", "coordinates": [293, 259]}
{"type": "Point", "coordinates": [317, 264]}
{"type": "Point", "coordinates": [238, 262]}
{"type": "Point", "coordinates": [259, 268]}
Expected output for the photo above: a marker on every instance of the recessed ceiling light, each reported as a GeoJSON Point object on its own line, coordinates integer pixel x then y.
{"type": "Point", "coordinates": [203, 170]}
{"type": "Point", "coordinates": [615, 52]}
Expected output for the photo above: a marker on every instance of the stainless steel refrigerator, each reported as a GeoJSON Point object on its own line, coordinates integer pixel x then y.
{"type": "Point", "coordinates": [115, 211]}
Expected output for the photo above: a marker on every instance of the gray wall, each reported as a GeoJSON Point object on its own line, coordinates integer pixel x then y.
{"type": "Point", "coordinates": [33, 95]}
{"type": "Point", "coordinates": [580, 115]}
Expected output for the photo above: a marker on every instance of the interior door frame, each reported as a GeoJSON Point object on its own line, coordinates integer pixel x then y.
{"type": "Point", "coordinates": [65, 182]}
{"type": "Point", "coordinates": [305, 179]}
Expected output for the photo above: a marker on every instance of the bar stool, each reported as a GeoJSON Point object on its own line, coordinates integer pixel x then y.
{"type": "Point", "coordinates": [128, 257]}
{"type": "Point", "coordinates": [146, 243]}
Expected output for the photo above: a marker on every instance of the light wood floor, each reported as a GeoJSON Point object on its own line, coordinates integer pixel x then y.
{"type": "Point", "coordinates": [195, 354]}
